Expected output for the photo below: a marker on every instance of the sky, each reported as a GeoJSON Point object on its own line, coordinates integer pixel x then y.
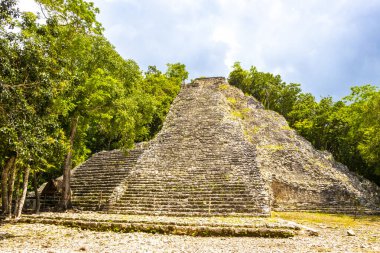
{"type": "Point", "coordinates": [325, 45]}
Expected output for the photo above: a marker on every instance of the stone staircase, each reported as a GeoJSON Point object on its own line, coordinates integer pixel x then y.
{"type": "Point", "coordinates": [199, 164]}
{"type": "Point", "coordinates": [94, 181]}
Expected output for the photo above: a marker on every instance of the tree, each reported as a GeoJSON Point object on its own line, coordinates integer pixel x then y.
{"type": "Point", "coordinates": [162, 88]}
{"type": "Point", "coordinates": [269, 89]}
{"type": "Point", "coordinates": [177, 71]}
{"type": "Point", "coordinates": [65, 93]}
{"type": "Point", "coordinates": [363, 118]}
{"type": "Point", "coordinates": [25, 93]}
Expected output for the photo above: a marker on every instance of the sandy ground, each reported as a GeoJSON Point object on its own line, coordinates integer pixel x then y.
{"type": "Point", "coordinates": [51, 238]}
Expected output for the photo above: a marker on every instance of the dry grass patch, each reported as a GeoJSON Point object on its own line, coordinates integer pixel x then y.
{"type": "Point", "coordinates": [341, 220]}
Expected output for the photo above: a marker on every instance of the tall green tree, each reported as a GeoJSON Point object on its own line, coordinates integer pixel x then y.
{"type": "Point", "coordinates": [272, 92]}
{"type": "Point", "coordinates": [26, 92]}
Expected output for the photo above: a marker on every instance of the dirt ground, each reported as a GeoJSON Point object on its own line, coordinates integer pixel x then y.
{"type": "Point", "coordinates": [20, 237]}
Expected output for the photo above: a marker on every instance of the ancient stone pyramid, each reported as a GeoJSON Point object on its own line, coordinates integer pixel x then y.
{"type": "Point", "coordinates": [220, 153]}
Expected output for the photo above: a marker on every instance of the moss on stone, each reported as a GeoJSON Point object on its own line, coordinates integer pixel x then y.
{"type": "Point", "coordinates": [231, 100]}
{"type": "Point", "coordinates": [223, 86]}
{"type": "Point", "coordinates": [286, 127]}
{"type": "Point", "coordinates": [274, 147]}
{"type": "Point", "coordinates": [237, 114]}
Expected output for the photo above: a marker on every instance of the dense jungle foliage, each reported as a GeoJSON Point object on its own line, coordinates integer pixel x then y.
{"type": "Point", "coordinates": [348, 128]}
{"type": "Point", "coordinates": [66, 93]}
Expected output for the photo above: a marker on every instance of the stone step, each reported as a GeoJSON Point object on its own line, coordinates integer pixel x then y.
{"type": "Point", "coordinates": [110, 162]}
{"type": "Point", "coordinates": [100, 178]}
{"type": "Point", "coordinates": [101, 163]}
{"type": "Point", "coordinates": [183, 185]}
{"type": "Point", "coordinates": [93, 183]}
{"type": "Point", "coordinates": [93, 189]}
{"type": "Point", "coordinates": [183, 171]}
{"type": "Point", "coordinates": [163, 184]}
{"type": "Point", "coordinates": [103, 173]}
{"type": "Point", "coordinates": [141, 210]}
{"type": "Point", "coordinates": [149, 197]}
{"type": "Point", "coordinates": [104, 195]}
{"type": "Point", "coordinates": [158, 181]}
{"type": "Point", "coordinates": [86, 182]}
{"type": "Point", "coordinates": [204, 188]}
{"type": "Point", "coordinates": [94, 186]}
{"type": "Point", "coordinates": [190, 213]}
{"type": "Point", "coordinates": [99, 167]}
{"type": "Point", "coordinates": [168, 198]}
{"type": "Point", "coordinates": [93, 192]}
{"type": "Point", "coordinates": [151, 194]}
{"type": "Point", "coordinates": [218, 207]}
{"type": "Point", "coordinates": [189, 180]}
{"type": "Point", "coordinates": [207, 194]}
{"type": "Point", "coordinates": [105, 192]}
{"type": "Point", "coordinates": [174, 206]}
{"type": "Point", "coordinates": [188, 197]}
{"type": "Point", "coordinates": [200, 190]}
{"type": "Point", "coordinates": [167, 205]}
{"type": "Point", "coordinates": [173, 202]}
{"type": "Point", "coordinates": [89, 180]}
{"type": "Point", "coordinates": [100, 170]}
{"type": "Point", "coordinates": [110, 159]}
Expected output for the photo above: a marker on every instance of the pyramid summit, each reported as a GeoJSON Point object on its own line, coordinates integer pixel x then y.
{"type": "Point", "coordinates": [220, 152]}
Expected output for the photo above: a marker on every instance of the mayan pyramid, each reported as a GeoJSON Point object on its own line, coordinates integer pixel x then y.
{"type": "Point", "coordinates": [220, 153]}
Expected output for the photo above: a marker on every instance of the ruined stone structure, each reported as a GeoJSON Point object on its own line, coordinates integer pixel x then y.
{"type": "Point", "coordinates": [220, 153]}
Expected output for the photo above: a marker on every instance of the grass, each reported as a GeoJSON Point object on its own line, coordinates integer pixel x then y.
{"type": "Point", "coordinates": [341, 220]}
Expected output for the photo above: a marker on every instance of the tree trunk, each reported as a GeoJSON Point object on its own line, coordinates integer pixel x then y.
{"type": "Point", "coordinates": [16, 191]}
{"type": "Point", "coordinates": [11, 183]}
{"type": "Point", "coordinates": [35, 184]}
{"type": "Point", "coordinates": [4, 184]}
{"type": "Point", "coordinates": [20, 204]}
{"type": "Point", "coordinates": [66, 170]}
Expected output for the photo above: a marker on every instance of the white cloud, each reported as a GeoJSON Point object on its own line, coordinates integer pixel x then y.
{"type": "Point", "coordinates": [182, 5]}
{"type": "Point", "coordinates": [28, 5]}
{"type": "Point", "coordinates": [322, 44]}
{"type": "Point", "coordinates": [226, 35]}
